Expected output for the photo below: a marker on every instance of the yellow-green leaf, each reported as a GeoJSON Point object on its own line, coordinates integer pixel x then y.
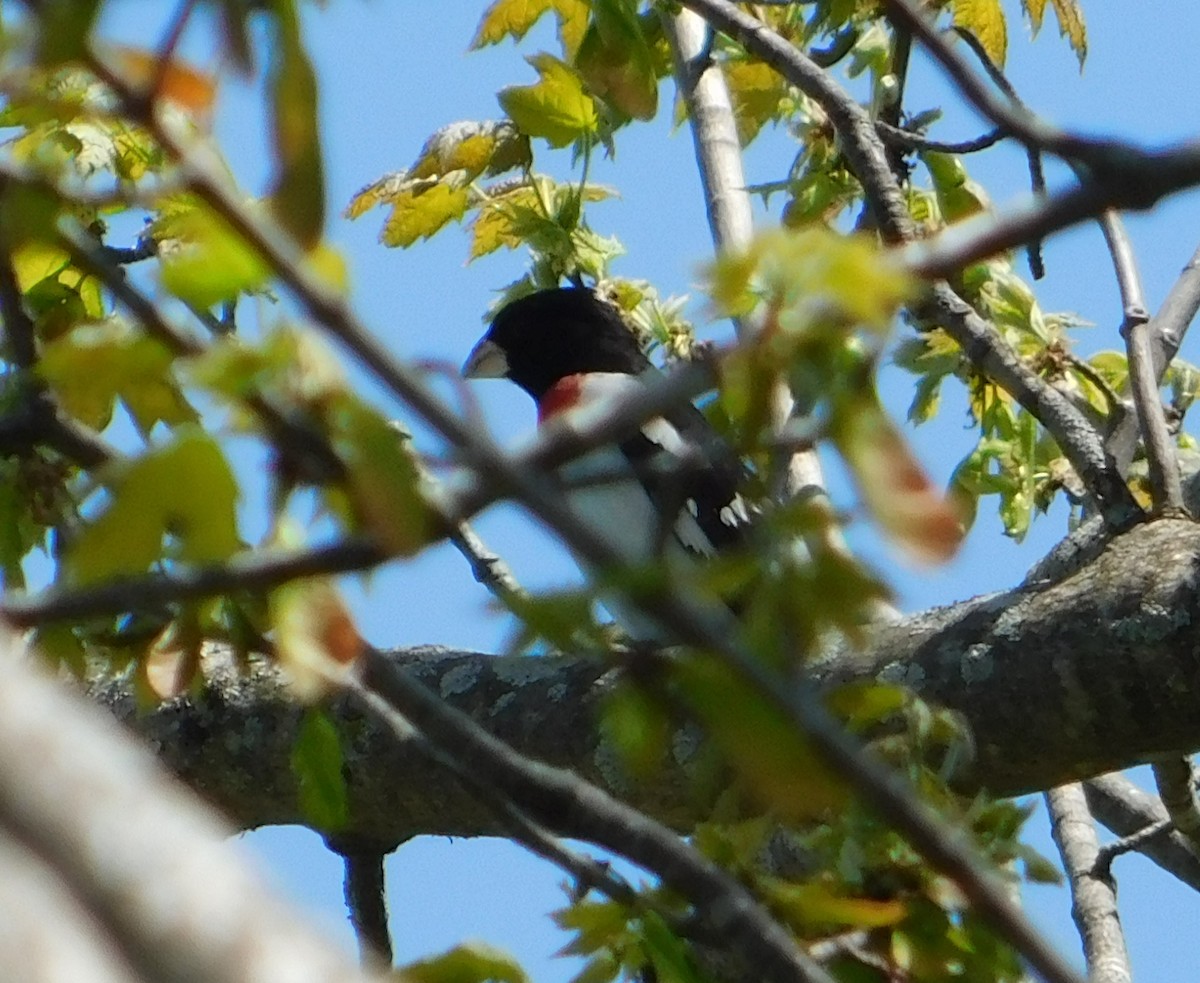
{"type": "Point", "coordinates": [514, 18]}
{"type": "Point", "coordinates": [556, 107]}
{"type": "Point", "coordinates": [92, 366]}
{"type": "Point", "coordinates": [474, 147]}
{"type": "Point", "coordinates": [472, 962]}
{"type": "Point", "coordinates": [985, 20]}
{"type": "Point", "coordinates": [615, 60]}
{"type": "Point", "coordinates": [184, 490]}
{"type": "Point", "coordinates": [421, 213]}
{"type": "Point", "coordinates": [317, 762]}
{"type": "Point", "coordinates": [203, 260]}
{"type": "Point", "coordinates": [382, 478]}
{"type": "Point", "coordinates": [755, 90]}
{"type": "Point", "coordinates": [814, 906]}
{"type": "Point", "coordinates": [1071, 26]}
{"type": "Point", "coordinates": [298, 194]}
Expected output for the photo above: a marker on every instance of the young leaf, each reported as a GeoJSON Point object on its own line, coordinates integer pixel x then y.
{"type": "Point", "coordinates": [315, 637]}
{"type": "Point", "coordinates": [298, 196]}
{"type": "Point", "coordinates": [985, 20]}
{"type": "Point", "coordinates": [472, 962]}
{"type": "Point", "coordinates": [317, 763]}
{"type": "Point", "coordinates": [894, 487]}
{"type": "Point", "coordinates": [615, 60]}
{"type": "Point", "coordinates": [184, 489]}
{"type": "Point", "coordinates": [556, 107]}
{"type": "Point", "coordinates": [203, 260]}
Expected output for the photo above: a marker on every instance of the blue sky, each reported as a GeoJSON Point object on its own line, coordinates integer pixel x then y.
{"type": "Point", "coordinates": [390, 75]}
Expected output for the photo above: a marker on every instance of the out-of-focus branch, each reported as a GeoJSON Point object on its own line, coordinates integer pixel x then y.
{"type": "Point", "coordinates": [153, 868]}
{"type": "Point", "coordinates": [260, 571]}
{"type": "Point", "coordinates": [559, 799]}
{"type": "Point", "coordinates": [1176, 782]}
{"type": "Point", "coordinates": [1093, 896]}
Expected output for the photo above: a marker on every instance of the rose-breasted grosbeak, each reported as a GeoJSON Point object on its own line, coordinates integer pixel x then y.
{"type": "Point", "coordinates": [667, 490]}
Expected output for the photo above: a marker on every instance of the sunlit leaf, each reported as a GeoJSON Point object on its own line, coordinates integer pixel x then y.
{"type": "Point", "coordinates": [817, 906]}
{"type": "Point", "coordinates": [755, 90]}
{"type": "Point", "coordinates": [203, 260]}
{"type": "Point", "coordinates": [184, 490]}
{"type": "Point", "coordinates": [556, 107]}
{"type": "Point", "coordinates": [298, 194]}
{"type": "Point", "coordinates": [91, 367]}
{"type": "Point", "coordinates": [472, 962]}
{"type": "Point", "coordinates": [985, 20]}
{"type": "Point", "coordinates": [514, 18]}
{"type": "Point", "coordinates": [173, 660]}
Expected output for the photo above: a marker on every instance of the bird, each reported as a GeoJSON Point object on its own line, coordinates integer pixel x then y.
{"type": "Point", "coordinates": [668, 490]}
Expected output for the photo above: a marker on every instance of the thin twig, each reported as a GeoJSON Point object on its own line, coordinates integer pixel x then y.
{"type": "Point", "coordinates": [260, 571]}
{"type": "Point", "coordinates": [1130, 812]}
{"type": "Point", "coordinates": [910, 140]}
{"type": "Point", "coordinates": [1128, 844]}
{"type": "Point", "coordinates": [1165, 481]}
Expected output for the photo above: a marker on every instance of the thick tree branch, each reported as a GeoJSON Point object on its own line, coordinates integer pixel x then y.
{"type": "Point", "coordinates": [1057, 681]}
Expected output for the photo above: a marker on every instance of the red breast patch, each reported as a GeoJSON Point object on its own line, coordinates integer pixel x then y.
{"type": "Point", "coordinates": [560, 397]}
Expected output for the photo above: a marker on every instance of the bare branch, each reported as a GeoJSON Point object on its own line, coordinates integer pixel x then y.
{"type": "Point", "coordinates": [1176, 781]}
{"type": "Point", "coordinates": [911, 140]}
{"type": "Point", "coordinates": [1093, 897]}
{"type": "Point", "coordinates": [1129, 812]}
{"type": "Point", "coordinates": [261, 570]}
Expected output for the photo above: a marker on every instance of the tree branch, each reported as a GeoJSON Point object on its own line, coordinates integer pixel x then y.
{"type": "Point", "coordinates": [155, 872]}
{"type": "Point", "coordinates": [1093, 895]}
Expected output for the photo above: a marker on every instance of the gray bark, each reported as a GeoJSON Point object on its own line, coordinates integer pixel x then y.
{"type": "Point", "coordinates": [1058, 681]}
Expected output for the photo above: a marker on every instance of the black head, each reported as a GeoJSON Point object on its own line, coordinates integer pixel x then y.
{"type": "Point", "coordinates": [546, 336]}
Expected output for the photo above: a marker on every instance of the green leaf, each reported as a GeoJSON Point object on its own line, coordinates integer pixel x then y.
{"type": "Point", "coordinates": [556, 107]}
{"type": "Point", "coordinates": [203, 260]}
{"type": "Point", "coordinates": [756, 91]}
{"type": "Point", "coordinates": [472, 962]}
{"type": "Point", "coordinates": [92, 366]}
{"type": "Point", "coordinates": [985, 20]}
{"type": "Point", "coordinates": [63, 29]}
{"type": "Point", "coordinates": [514, 18]}
{"type": "Point", "coordinates": [298, 194]}
{"type": "Point", "coordinates": [317, 763]}
{"type": "Point", "coordinates": [615, 60]}
{"type": "Point", "coordinates": [383, 481]}
{"type": "Point", "coordinates": [184, 490]}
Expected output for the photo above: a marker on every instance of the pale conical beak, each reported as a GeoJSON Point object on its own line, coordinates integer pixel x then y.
{"type": "Point", "coordinates": [486, 361]}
